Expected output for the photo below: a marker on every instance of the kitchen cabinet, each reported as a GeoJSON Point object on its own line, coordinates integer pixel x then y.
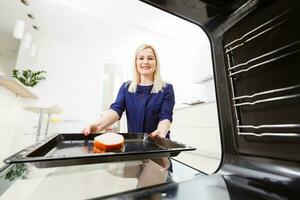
{"type": "Point", "coordinates": [198, 126]}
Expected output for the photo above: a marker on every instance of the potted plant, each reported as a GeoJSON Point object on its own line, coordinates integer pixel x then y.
{"type": "Point", "coordinates": [28, 77]}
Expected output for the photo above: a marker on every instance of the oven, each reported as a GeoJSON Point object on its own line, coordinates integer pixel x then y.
{"type": "Point", "coordinates": [255, 48]}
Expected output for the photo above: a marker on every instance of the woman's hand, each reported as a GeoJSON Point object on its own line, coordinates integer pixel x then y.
{"type": "Point", "coordinates": [108, 119]}
{"type": "Point", "coordinates": [155, 133]}
{"type": "Point", "coordinates": [90, 129]}
{"type": "Point", "coordinates": [162, 129]}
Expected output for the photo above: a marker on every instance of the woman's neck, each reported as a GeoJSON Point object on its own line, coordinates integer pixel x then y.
{"type": "Point", "coordinates": [146, 80]}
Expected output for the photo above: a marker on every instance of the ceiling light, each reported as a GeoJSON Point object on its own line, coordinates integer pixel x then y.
{"type": "Point", "coordinates": [35, 27]}
{"type": "Point", "coordinates": [25, 2]}
{"type": "Point", "coordinates": [32, 50]}
{"type": "Point", "coordinates": [26, 41]}
{"type": "Point", "coordinates": [31, 16]}
{"type": "Point", "coordinates": [19, 29]}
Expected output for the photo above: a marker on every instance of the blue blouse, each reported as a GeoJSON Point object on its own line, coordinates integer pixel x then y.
{"type": "Point", "coordinates": [144, 110]}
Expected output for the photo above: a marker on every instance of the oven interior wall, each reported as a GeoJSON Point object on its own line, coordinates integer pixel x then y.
{"type": "Point", "coordinates": [262, 59]}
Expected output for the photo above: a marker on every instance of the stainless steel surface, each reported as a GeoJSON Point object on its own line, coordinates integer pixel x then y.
{"type": "Point", "coordinates": [47, 127]}
{"type": "Point", "coordinates": [270, 134]}
{"type": "Point", "coordinates": [270, 126]}
{"type": "Point", "coordinates": [267, 92]}
{"type": "Point", "coordinates": [38, 134]}
{"type": "Point", "coordinates": [267, 100]}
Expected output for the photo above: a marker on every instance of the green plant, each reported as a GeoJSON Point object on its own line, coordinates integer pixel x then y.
{"type": "Point", "coordinates": [28, 77]}
{"type": "Point", "coordinates": [16, 171]}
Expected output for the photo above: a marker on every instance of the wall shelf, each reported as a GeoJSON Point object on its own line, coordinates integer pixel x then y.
{"type": "Point", "coordinates": [16, 87]}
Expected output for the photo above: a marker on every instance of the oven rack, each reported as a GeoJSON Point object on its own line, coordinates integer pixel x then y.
{"type": "Point", "coordinates": [265, 126]}
{"type": "Point", "coordinates": [269, 134]}
{"type": "Point", "coordinates": [267, 92]}
{"type": "Point", "coordinates": [273, 59]}
{"type": "Point", "coordinates": [270, 126]}
{"type": "Point", "coordinates": [283, 91]}
{"type": "Point", "coordinates": [267, 26]}
{"type": "Point", "coordinates": [267, 100]}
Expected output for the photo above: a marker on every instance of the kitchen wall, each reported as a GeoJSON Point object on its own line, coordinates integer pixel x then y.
{"type": "Point", "coordinates": [73, 77]}
{"type": "Point", "coordinates": [16, 125]}
{"type": "Point", "coordinates": [8, 54]}
{"type": "Point", "coordinates": [7, 61]}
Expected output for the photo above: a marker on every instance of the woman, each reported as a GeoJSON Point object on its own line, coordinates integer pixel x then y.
{"type": "Point", "coordinates": [147, 99]}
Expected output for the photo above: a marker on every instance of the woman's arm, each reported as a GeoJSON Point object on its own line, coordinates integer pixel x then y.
{"type": "Point", "coordinates": [111, 116]}
{"type": "Point", "coordinates": [108, 119]}
{"type": "Point", "coordinates": [165, 116]}
{"type": "Point", "coordinates": [162, 128]}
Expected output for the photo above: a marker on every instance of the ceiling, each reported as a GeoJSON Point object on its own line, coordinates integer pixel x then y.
{"type": "Point", "coordinates": [86, 19]}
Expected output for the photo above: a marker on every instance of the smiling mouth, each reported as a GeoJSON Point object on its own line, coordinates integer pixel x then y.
{"type": "Point", "coordinates": [145, 67]}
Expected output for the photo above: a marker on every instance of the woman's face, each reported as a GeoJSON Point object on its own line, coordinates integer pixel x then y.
{"type": "Point", "coordinates": [146, 62]}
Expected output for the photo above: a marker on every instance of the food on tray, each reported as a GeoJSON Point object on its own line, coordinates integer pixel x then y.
{"type": "Point", "coordinates": [108, 142]}
{"type": "Point", "coordinates": [95, 150]}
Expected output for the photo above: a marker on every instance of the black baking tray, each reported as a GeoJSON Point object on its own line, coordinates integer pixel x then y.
{"type": "Point", "coordinates": [67, 149]}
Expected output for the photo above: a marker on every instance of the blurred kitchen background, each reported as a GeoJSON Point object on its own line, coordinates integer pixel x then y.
{"type": "Point", "coordinates": [87, 49]}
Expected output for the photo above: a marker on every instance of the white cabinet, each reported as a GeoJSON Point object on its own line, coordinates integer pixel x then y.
{"type": "Point", "coordinates": [201, 116]}
{"type": "Point", "coordinates": [198, 127]}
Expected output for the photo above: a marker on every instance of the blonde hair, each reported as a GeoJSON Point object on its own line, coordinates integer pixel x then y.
{"type": "Point", "coordinates": [158, 83]}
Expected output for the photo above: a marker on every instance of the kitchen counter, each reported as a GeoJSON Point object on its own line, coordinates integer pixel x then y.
{"type": "Point", "coordinates": [25, 181]}
{"type": "Point", "coordinates": [184, 106]}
